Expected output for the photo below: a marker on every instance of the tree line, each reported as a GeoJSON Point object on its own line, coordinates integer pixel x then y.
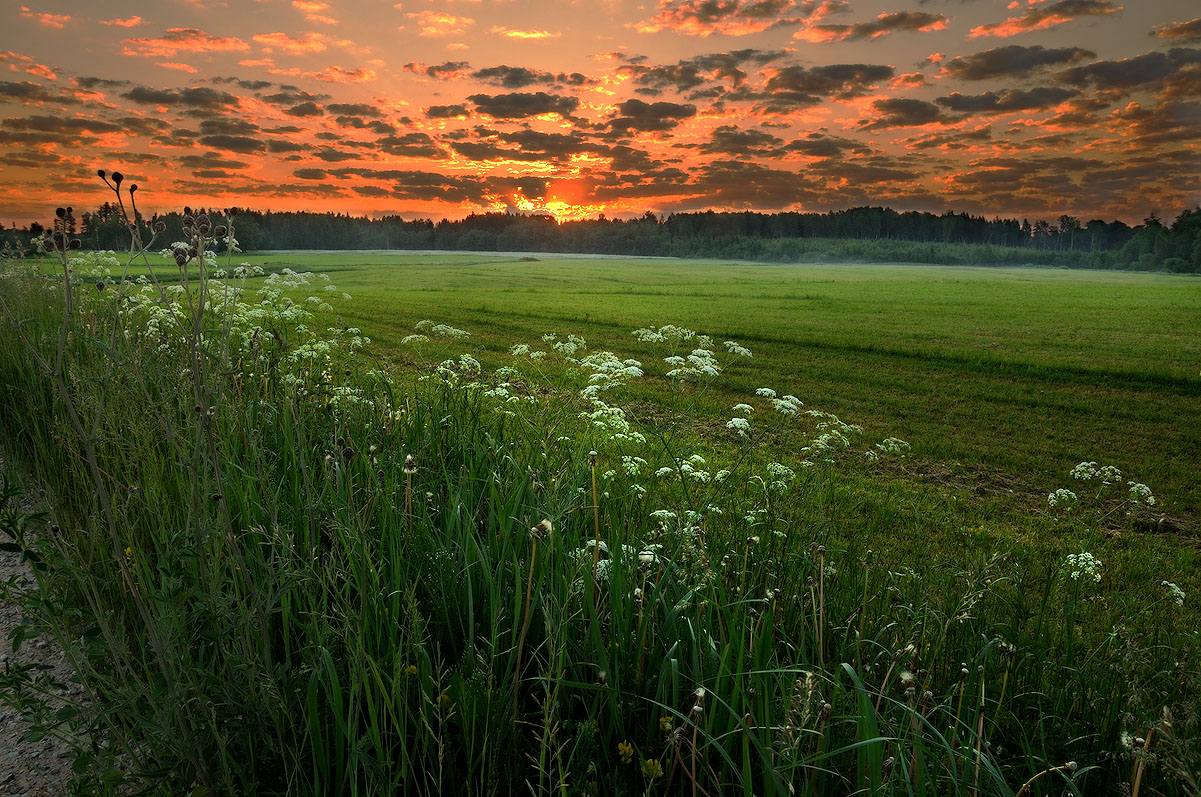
{"type": "Point", "coordinates": [864, 234]}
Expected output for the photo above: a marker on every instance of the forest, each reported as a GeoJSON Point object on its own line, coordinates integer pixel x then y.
{"type": "Point", "coordinates": [864, 234]}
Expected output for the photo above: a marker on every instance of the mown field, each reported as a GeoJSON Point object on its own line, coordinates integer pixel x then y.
{"type": "Point", "coordinates": [1019, 372]}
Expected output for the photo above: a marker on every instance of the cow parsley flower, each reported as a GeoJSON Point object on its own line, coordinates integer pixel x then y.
{"type": "Point", "coordinates": [766, 392]}
{"type": "Point", "coordinates": [740, 425]}
{"type": "Point", "coordinates": [1061, 497]}
{"type": "Point", "coordinates": [1174, 592]}
{"type": "Point", "coordinates": [1083, 565]}
{"type": "Point", "coordinates": [1141, 494]}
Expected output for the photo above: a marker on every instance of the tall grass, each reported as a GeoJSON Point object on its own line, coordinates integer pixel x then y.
{"type": "Point", "coordinates": [262, 592]}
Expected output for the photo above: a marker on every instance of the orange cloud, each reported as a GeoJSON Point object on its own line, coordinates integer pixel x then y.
{"type": "Point", "coordinates": [1043, 16]}
{"type": "Point", "coordinates": [131, 22]}
{"type": "Point", "coordinates": [732, 17]}
{"type": "Point", "coordinates": [56, 21]}
{"type": "Point", "coordinates": [182, 40]}
{"type": "Point", "coordinates": [178, 67]}
{"type": "Point", "coordinates": [314, 11]}
{"type": "Point", "coordinates": [331, 74]}
{"type": "Point", "coordinates": [524, 34]}
{"type": "Point", "coordinates": [1190, 30]}
{"type": "Point", "coordinates": [309, 43]}
{"type": "Point", "coordinates": [27, 64]}
{"type": "Point", "coordinates": [882, 25]}
{"type": "Point", "coordinates": [439, 23]}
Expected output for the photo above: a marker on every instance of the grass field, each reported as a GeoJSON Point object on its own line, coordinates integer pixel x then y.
{"type": "Point", "coordinates": [1023, 372]}
{"type": "Point", "coordinates": [279, 570]}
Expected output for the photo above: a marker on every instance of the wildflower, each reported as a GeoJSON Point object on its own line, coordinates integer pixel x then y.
{"type": "Point", "coordinates": [651, 768]}
{"type": "Point", "coordinates": [745, 409]}
{"type": "Point", "coordinates": [626, 751]}
{"type": "Point", "coordinates": [766, 392]}
{"type": "Point", "coordinates": [1141, 494]}
{"type": "Point", "coordinates": [665, 724]}
{"type": "Point", "coordinates": [1061, 497]}
{"type": "Point", "coordinates": [1174, 592]}
{"type": "Point", "coordinates": [1084, 565]}
{"type": "Point", "coordinates": [734, 348]}
{"type": "Point", "coordinates": [444, 700]}
{"type": "Point", "coordinates": [740, 425]}
{"type": "Point", "coordinates": [411, 670]}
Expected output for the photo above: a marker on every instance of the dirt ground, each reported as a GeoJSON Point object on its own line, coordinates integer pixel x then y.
{"type": "Point", "coordinates": [42, 768]}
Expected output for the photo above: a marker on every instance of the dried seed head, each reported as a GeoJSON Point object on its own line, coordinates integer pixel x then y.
{"type": "Point", "coordinates": [220, 231]}
{"type": "Point", "coordinates": [410, 465]}
{"type": "Point", "coordinates": [602, 678]}
{"type": "Point", "coordinates": [133, 188]}
{"type": "Point", "coordinates": [76, 243]}
{"type": "Point", "coordinates": [181, 257]}
{"type": "Point", "coordinates": [160, 226]}
{"type": "Point", "coordinates": [348, 453]}
{"type": "Point", "coordinates": [60, 212]}
{"type": "Point", "coordinates": [100, 173]}
{"type": "Point", "coordinates": [100, 287]}
{"type": "Point", "coordinates": [203, 224]}
{"type": "Point", "coordinates": [543, 527]}
{"type": "Point", "coordinates": [591, 457]}
{"type": "Point", "coordinates": [825, 711]}
{"type": "Point", "coordinates": [1071, 766]}
{"type": "Point", "coordinates": [118, 177]}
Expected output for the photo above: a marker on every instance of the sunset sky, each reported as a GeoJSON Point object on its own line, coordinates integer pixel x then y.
{"type": "Point", "coordinates": [1029, 108]}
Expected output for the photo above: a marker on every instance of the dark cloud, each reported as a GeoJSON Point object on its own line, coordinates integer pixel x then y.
{"type": "Point", "coordinates": [444, 69]}
{"type": "Point", "coordinates": [1007, 101]}
{"type": "Point", "coordinates": [1188, 31]}
{"type": "Point", "coordinates": [411, 145]}
{"type": "Point", "coordinates": [305, 109]}
{"type": "Point", "coordinates": [100, 83]}
{"type": "Point", "coordinates": [143, 126]}
{"type": "Point", "coordinates": [1176, 72]}
{"type": "Point", "coordinates": [524, 145]}
{"type": "Point", "coordinates": [200, 98]}
{"type": "Point", "coordinates": [733, 141]}
{"type": "Point", "coordinates": [799, 87]}
{"type": "Point", "coordinates": [33, 92]}
{"type": "Point", "coordinates": [520, 105]}
{"type": "Point", "coordinates": [279, 146]}
{"type": "Point", "coordinates": [636, 115]}
{"type": "Point", "coordinates": [331, 155]}
{"type": "Point", "coordinates": [354, 109]}
{"type": "Point", "coordinates": [241, 144]}
{"type": "Point", "coordinates": [693, 72]}
{"type": "Point", "coordinates": [952, 139]}
{"type": "Point", "coordinates": [446, 111]}
{"type": "Point", "coordinates": [903, 113]}
{"type": "Point", "coordinates": [517, 77]}
{"type": "Point", "coordinates": [375, 125]}
{"type": "Point", "coordinates": [210, 160]}
{"type": "Point", "coordinates": [1013, 60]}
{"type": "Point", "coordinates": [310, 174]}
{"type": "Point", "coordinates": [882, 25]}
{"type": "Point", "coordinates": [227, 126]}
{"type": "Point", "coordinates": [1167, 122]}
{"type": "Point", "coordinates": [821, 145]}
{"type": "Point", "coordinates": [70, 126]}
{"type": "Point", "coordinates": [290, 95]}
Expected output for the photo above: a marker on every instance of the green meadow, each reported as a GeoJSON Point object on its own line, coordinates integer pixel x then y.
{"type": "Point", "coordinates": [487, 552]}
{"type": "Point", "coordinates": [1020, 373]}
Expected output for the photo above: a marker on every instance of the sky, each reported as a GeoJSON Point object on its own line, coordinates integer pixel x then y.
{"type": "Point", "coordinates": [1029, 108]}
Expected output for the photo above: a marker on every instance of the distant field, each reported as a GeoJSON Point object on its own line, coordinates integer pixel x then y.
{"type": "Point", "coordinates": [1024, 372]}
